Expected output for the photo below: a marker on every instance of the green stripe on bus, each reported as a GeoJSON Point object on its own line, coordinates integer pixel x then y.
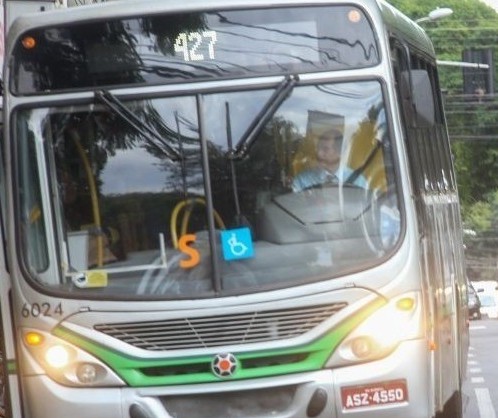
{"type": "Point", "coordinates": [139, 372]}
{"type": "Point", "coordinates": [11, 367]}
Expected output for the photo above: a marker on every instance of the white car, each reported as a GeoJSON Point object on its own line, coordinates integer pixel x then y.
{"type": "Point", "coordinates": [489, 305]}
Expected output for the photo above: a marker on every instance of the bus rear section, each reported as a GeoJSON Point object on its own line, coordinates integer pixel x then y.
{"type": "Point", "coordinates": [212, 217]}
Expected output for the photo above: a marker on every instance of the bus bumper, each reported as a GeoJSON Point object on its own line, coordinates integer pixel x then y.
{"type": "Point", "coordinates": [396, 386]}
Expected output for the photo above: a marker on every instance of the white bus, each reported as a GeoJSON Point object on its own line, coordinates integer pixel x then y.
{"type": "Point", "coordinates": [160, 260]}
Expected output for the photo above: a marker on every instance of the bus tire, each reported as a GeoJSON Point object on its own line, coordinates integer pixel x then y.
{"type": "Point", "coordinates": [453, 408]}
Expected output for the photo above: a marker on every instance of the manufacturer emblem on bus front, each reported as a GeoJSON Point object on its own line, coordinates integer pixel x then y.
{"type": "Point", "coordinates": [224, 365]}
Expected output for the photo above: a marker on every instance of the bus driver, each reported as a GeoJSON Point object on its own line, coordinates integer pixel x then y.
{"type": "Point", "coordinates": [328, 168]}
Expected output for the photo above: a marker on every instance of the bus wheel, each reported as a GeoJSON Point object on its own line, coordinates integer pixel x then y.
{"type": "Point", "coordinates": [453, 408]}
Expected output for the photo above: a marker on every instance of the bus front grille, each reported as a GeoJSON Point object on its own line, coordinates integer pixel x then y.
{"type": "Point", "coordinates": [221, 330]}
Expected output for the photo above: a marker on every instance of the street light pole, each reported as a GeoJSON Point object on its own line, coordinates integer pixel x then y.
{"type": "Point", "coordinates": [464, 64]}
{"type": "Point", "coordinates": [436, 14]}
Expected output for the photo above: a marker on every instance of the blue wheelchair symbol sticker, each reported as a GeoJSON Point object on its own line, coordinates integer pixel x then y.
{"type": "Point", "coordinates": [237, 244]}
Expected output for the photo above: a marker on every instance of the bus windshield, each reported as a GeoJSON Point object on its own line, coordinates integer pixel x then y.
{"type": "Point", "coordinates": [165, 197]}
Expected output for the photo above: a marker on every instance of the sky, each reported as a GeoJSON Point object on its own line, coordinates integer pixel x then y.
{"type": "Point", "coordinates": [492, 3]}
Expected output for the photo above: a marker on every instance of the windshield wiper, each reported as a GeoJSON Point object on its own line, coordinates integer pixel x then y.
{"type": "Point", "coordinates": [116, 106]}
{"type": "Point", "coordinates": [361, 169]}
{"type": "Point", "coordinates": [268, 110]}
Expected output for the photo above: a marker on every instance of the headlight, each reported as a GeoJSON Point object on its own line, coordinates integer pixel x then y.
{"type": "Point", "coordinates": [381, 332]}
{"type": "Point", "coordinates": [66, 363]}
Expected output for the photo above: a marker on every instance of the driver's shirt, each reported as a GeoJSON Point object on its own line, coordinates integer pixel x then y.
{"type": "Point", "coordinates": [320, 176]}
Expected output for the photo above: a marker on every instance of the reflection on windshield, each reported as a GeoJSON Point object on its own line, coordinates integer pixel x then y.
{"type": "Point", "coordinates": [165, 212]}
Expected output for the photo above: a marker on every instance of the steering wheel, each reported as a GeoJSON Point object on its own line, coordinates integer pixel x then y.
{"type": "Point", "coordinates": [381, 220]}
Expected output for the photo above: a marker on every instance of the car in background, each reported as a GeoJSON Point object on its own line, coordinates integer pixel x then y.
{"type": "Point", "coordinates": [486, 286]}
{"type": "Point", "coordinates": [474, 303]}
{"type": "Point", "coordinates": [489, 305]}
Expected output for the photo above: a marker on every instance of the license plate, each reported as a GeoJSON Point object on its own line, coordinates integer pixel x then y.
{"type": "Point", "coordinates": [375, 394]}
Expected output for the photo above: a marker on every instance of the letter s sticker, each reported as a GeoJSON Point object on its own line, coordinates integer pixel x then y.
{"type": "Point", "coordinates": [194, 256]}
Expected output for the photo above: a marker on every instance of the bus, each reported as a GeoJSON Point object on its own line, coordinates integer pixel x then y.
{"type": "Point", "coordinates": [159, 261]}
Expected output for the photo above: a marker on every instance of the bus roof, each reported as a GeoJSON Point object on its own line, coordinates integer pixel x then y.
{"type": "Point", "coordinates": [402, 25]}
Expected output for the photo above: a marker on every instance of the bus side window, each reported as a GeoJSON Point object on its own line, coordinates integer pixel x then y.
{"type": "Point", "coordinates": [423, 98]}
{"type": "Point", "coordinates": [418, 101]}
{"type": "Point", "coordinates": [414, 87]}
{"type": "Point", "coordinates": [406, 100]}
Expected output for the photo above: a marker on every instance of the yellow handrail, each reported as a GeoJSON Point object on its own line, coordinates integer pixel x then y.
{"type": "Point", "coordinates": [174, 217]}
{"type": "Point", "coordinates": [94, 198]}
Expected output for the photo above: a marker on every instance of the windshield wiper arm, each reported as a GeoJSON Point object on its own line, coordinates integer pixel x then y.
{"type": "Point", "coordinates": [266, 113]}
{"type": "Point", "coordinates": [114, 104]}
{"type": "Point", "coordinates": [361, 169]}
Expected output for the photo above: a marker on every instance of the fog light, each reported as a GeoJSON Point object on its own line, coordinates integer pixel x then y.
{"type": "Point", "coordinates": [317, 403]}
{"type": "Point", "coordinates": [86, 373]}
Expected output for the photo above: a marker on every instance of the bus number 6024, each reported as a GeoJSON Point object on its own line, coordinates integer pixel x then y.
{"type": "Point", "coordinates": [41, 309]}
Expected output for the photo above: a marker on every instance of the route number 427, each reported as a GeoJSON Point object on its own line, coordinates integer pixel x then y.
{"type": "Point", "coordinates": [194, 45]}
